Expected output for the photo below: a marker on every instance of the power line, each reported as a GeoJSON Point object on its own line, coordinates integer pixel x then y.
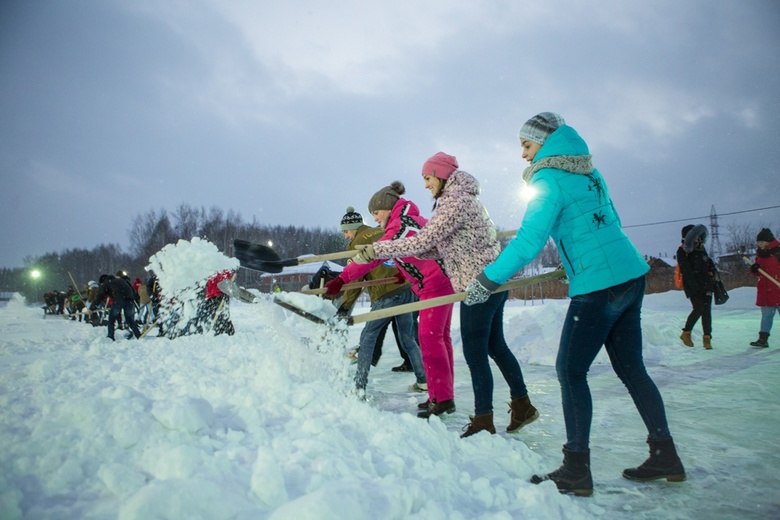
{"type": "Point", "coordinates": [697, 218]}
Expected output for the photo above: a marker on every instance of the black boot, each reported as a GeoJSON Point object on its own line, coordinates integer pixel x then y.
{"type": "Point", "coordinates": [439, 408]}
{"type": "Point", "coordinates": [663, 463]}
{"type": "Point", "coordinates": [573, 476]}
{"type": "Point", "coordinates": [761, 342]}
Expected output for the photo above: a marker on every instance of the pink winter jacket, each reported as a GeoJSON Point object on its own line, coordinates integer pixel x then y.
{"type": "Point", "coordinates": [460, 233]}
{"type": "Point", "coordinates": [426, 276]}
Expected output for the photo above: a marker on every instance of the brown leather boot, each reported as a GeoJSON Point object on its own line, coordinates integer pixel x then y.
{"type": "Point", "coordinates": [686, 338]}
{"type": "Point", "coordinates": [523, 412]}
{"type": "Point", "coordinates": [479, 423]}
{"type": "Point", "coordinates": [706, 340]}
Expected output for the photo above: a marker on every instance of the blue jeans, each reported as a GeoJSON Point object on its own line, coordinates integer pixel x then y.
{"type": "Point", "coordinates": [482, 334]}
{"type": "Point", "coordinates": [767, 317]}
{"type": "Point", "coordinates": [406, 337]}
{"type": "Point", "coordinates": [126, 307]}
{"type": "Point", "coordinates": [610, 317]}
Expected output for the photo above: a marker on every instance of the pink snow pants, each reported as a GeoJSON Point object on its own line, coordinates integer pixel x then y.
{"type": "Point", "coordinates": [436, 347]}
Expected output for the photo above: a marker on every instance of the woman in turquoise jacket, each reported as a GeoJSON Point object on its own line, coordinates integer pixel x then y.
{"type": "Point", "coordinates": [606, 285]}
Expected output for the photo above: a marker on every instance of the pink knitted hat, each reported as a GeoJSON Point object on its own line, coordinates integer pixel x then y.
{"type": "Point", "coordinates": [440, 165]}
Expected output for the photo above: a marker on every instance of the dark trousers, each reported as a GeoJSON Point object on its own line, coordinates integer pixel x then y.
{"type": "Point", "coordinates": [702, 308]}
{"type": "Point", "coordinates": [126, 307]}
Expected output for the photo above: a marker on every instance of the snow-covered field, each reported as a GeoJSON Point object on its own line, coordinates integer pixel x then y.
{"type": "Point", "coordinates": [262, 425]}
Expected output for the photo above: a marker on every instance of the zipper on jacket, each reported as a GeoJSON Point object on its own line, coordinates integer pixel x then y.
{"type": "Point", "coordinates": [568, 260]}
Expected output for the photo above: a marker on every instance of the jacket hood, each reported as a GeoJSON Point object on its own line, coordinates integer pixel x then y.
{"type": "Point", "coordinates": [563, 150]}
{"type": "Point", "coordinates": [564, 141]}
{"type": "Point", "coordinates": [698, 231]}
{"type": "Point", "coordinates": [462, 182]}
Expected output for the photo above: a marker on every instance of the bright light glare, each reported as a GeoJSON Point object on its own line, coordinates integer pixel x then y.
{"type": "Point", "coordinates": [528, 192]}
{"type": "Point", "coordinates": [35, 274]}
{"type": "Point", "coordinates": [270, 243]}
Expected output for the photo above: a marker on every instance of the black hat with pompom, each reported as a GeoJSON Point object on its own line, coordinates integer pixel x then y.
{"type": "Point", "coordinates": [351, 220]}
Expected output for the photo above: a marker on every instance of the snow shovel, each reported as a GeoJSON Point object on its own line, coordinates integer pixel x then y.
{"type": "Point", "coordinates": [769, 276]}
{"type": "Point", "coordinates": [353, 285]}
{"type": "Point", "coordinates": [420, 305]}
{"type": "Point", "coordinates": [263, 258]}
{"type": "Point", "coordinates": [451, 298]}
{"type": "Point", "coordinates": [232, 289]}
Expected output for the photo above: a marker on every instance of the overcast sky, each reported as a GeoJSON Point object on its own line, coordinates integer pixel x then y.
{"type": "Point", "coordinates": [289, 112]}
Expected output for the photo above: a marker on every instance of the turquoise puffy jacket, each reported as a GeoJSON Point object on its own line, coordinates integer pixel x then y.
{"type": "Point", "coordinates": [572, 205]}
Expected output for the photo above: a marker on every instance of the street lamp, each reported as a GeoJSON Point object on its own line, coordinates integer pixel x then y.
{"type": "Point", "coordinates": [35, 274]}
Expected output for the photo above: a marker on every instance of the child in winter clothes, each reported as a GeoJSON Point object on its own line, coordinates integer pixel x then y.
{"type": "Point", "coordinates": [699, 277]}
{"type": "Point", "coordinates": [401, 218]}
{"type": "Point", "coordinates": [768, 290]}
{"type": "Point", "coordinates": [606, 285]}
{"type": "Point", "coordinates": [463, 236]}
{"type": "Point", "coordinates": [382, 297]}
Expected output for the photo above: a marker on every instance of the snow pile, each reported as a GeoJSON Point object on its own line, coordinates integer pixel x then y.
{"type": "Point", "coordinates": [183, 269]}
{"type": "Point", "coordinates": [187, 264]}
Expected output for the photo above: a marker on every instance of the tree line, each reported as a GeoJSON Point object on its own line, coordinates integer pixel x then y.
{"type": "Point", "coordinates": [150, 232]}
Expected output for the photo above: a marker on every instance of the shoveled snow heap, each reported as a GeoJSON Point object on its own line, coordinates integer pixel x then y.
{"type": "Point", "coordinates": [183, 270]}
{"type": "Point", "coordinates": [187, 264]}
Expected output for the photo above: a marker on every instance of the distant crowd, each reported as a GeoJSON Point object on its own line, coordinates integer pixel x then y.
{"type": "Point", "coordinates": [92, 303]}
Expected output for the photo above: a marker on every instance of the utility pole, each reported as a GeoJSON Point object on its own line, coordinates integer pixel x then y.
{"type": "Point", "coordinates": [715, 250]}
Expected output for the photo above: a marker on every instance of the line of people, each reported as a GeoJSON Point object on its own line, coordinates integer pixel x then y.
{"type": "Point", "coordinates": [457, 250]}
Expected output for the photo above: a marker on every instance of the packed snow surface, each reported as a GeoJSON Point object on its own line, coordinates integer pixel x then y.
{"type": "Point", "coordinates": [263, 424]}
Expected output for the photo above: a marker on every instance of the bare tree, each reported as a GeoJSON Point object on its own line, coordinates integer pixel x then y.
{"type": "Point", "coordinates": [741, 237]}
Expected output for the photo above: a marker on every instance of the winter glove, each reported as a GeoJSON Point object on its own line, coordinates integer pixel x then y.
{"type": "Point", "coordinates": [754, 268]}
{"type": "Point", "coordinates": [333, 287]}
{"type": "Point", "coordinates": [479, 290]}
{"type": "Point", "coordinates": [365, 255]}
{"type": "Point", "coordinates": [399, 278]}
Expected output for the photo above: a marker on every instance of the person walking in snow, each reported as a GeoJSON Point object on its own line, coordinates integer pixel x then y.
{"type": "Point", "coordinates": [699, 278]}
{"type": "Point", "coordinates": [463, 236]}
{"type": "Point", "coordinates": [399, 218]}
{"type": "Point", "coordinates": [606, 285]}
{"type": "Point", "coordinates": [382, 297]}
{"type": "Point", "coordinates": [767, 291]}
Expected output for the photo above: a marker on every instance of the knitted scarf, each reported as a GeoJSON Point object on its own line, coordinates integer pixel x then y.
{"type": "Point", "coordinates": [579, 164]}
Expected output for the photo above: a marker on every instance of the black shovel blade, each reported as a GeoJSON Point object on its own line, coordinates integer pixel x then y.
{"type": "Point", "coordinates": [260, 257]}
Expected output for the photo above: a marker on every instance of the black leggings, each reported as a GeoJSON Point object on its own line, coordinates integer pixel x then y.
{"type": "Point", "coordinates": [702, 308]}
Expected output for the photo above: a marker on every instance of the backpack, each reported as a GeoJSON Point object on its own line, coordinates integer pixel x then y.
{"type": "Point", "coordinates": [678, 281]}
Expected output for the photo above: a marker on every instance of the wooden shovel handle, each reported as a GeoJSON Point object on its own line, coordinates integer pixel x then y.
{"type": "Point", "coordinates": [769, 276]}
{"type": "Point", "coordinates": [353, 285]}
{"type": "Point", "coordinates": [451, 298]}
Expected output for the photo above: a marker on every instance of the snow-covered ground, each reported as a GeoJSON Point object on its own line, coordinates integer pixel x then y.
{"type": "Point", "coordinates": [262, 425]}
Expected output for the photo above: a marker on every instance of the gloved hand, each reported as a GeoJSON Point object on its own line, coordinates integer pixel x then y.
{"type": "Point", "coordinates": [480, 290]}
{"type": "Point", "coordinates": [365, 255]}
{"type": "Point", "coordinates": [333, 287]}
{"type": "Point", "coordinates": [754, 268]}
{"type": "Point", "coordinates": [399, 278]}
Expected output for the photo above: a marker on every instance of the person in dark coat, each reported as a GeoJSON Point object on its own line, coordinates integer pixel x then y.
{"type": "Point", "coordinates": [699, 278]}
{"type": "Point", "coordinates": [123, 296]}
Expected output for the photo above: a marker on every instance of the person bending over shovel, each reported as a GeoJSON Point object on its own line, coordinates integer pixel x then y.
{"type": "Point", "coordinates": [463, 236]}
{"type": "Point", "coordinates": [400, 217]}
{"type": "Point", "coordinates": [382, 297]}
